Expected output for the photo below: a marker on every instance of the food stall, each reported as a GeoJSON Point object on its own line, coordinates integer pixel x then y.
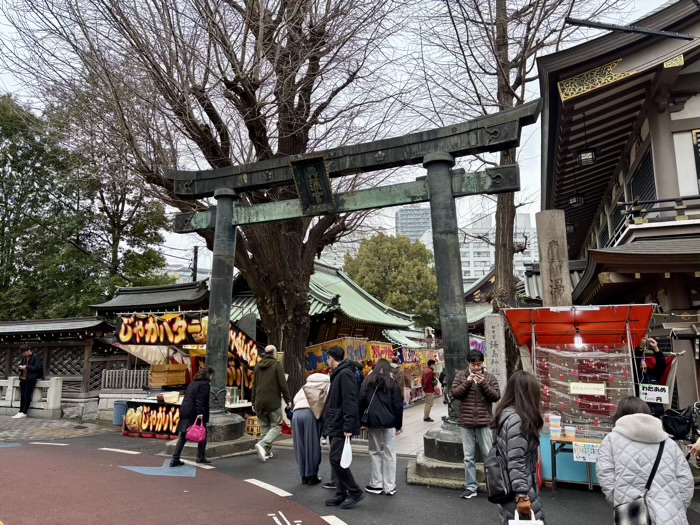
{"type": "Point", "coordinates": [174, 344]}
{"type": "Point", "coordinates": [582, 357]}
{"type": "Point", "coordinates": [412, 361]}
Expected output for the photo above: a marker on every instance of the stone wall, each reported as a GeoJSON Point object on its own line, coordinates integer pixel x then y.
{"type": "Point", "coordinates": [85, 409]}
{"type": "Point", "coordinates": [105, 409]}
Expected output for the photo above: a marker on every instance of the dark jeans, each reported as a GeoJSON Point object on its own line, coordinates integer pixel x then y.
{"type": "Point", "coordinates": [343, 477]}
{"type": "Point", "coordinates": [201, 447]}
{"type": "Point", "coordinates": [26, 389]}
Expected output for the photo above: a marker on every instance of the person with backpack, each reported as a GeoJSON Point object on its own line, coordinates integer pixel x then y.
{"type": "Point", "coordinates": [517, 422]}
{"type": "Point", "coordinates": [307, 425]}
{"type": "Point", "coordinates": [269, 387]}
{"type": "Point", "coordinates": [381, 406]}
{"type": "Point", "coordinates": [638, 462]}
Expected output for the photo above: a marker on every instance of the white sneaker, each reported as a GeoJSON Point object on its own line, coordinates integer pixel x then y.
{"type": "Point", "coordinates": [261, 452]}
{"type": "Point", "coordinates": [19, 415]}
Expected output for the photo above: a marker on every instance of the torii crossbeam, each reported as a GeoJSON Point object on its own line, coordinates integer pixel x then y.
{"type": "Point", "coordinates": [311, 173]}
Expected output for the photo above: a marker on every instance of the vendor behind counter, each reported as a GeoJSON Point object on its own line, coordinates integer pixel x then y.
{"type": "Point", "coordinates": [649, 375]}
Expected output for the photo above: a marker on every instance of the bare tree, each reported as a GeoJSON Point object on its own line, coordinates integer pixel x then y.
{"type": "Point", "coordinates": [214, 83]}
{"type": "Point", "coordinates": [479, 56]}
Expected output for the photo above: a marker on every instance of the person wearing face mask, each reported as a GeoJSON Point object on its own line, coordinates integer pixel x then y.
{"type": "Point", "coordinates": [646, 375]}
{"type": "Point", "coordinates": [477, 390]}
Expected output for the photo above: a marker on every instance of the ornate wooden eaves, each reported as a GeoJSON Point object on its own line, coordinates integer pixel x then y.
{"type": "Point", "coordinates": [591, 80]}
{"type": "Point", "coordinates": [675, 62]}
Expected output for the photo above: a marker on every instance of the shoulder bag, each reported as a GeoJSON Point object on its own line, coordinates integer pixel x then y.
{"type": "Point", "coordinates": [498, 486]}
{"type": "Point", "coordinates": [365, 415]}
{"type": "Point", "coordinates": [636, 512]}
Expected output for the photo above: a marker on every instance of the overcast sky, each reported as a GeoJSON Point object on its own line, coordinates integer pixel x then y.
{"type": "Point", "coordinates": [178, 248]}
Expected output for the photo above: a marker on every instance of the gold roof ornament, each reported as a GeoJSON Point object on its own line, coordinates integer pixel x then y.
{"type": "Point", "coordinates": [591, 80]}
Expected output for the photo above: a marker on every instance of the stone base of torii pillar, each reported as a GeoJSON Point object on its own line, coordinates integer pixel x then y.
{"type": "Point", "coordinates": [226, 437]}
{"type": "Point", "coordinates": [441, 463]}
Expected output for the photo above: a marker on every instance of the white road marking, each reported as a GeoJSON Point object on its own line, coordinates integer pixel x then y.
{"type": "Point", "coordinates": [51, 444]}
{"type": "Point", "coordinates": [120, 450]}
{"type": "Point", "coordinates": [333, 520]}
{"type": "Point", "coordinates": [269, 487]}
{"type": "Point", "coordinates": [198, 465]}
{"type": "Point", "coordinates": [284, 518]}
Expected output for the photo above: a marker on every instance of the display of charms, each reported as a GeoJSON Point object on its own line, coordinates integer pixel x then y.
{"type": "Point", "coordinates": [584, 384]}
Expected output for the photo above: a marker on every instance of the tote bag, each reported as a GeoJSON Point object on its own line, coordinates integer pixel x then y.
{"type": "Point", "coordinates": [530, 521]}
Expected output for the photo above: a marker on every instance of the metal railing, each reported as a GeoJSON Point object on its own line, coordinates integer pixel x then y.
{"type": "Point", "coordinates": [637, 211]}
{"type": "Point", "coordinates": [124, 379]}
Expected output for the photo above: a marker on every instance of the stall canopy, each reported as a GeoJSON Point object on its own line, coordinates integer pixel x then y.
{"type": "Point", "coordinates": [605, 325]}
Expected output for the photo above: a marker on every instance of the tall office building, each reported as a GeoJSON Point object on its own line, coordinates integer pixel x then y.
{"type": "Point", "coordinates": [478, 253]}
{"type": "Point", "coordinates": [413, 221]}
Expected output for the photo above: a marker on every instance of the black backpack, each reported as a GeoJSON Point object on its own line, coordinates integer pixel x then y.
{"type": "Point", "coordinates": [678, 423]}
{"type": "Point", "coordinates": [498, 486]}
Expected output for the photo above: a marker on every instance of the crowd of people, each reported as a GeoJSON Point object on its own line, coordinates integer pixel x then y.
{"type": "Point", "coordinates": [640, 469]}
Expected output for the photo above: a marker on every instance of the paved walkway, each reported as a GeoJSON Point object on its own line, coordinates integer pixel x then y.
{"type": "Point", "coordinates": [410, 441]}
{"type": "Point", "coordinates": [36, 429]}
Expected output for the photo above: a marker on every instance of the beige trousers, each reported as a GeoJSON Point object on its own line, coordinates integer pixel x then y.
{"type": "Point", "coordinates": [429, 398]}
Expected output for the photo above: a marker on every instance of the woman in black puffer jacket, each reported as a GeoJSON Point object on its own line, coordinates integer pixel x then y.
{"type": "Point", "coordinates": [518, 422]}
{"type": "Point", "coordinates": [195, 403]}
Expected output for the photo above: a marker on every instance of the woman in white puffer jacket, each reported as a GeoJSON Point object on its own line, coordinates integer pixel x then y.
{"type": "Point", "coordinates": [627, 456]}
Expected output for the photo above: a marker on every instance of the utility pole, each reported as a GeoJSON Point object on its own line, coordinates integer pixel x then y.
{"type": "Point", "coordinates": [194, 263]}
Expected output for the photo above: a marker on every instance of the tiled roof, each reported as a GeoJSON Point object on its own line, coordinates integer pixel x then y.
{"type": "Point", "coordinates": [656, 247]}
{"type": "Point", "coordinates": [355, 302]}
{"type": "Point", "coordinates": [331, 289]}
{"type": "Point", "coordinates": [403, 338]}
{"type": "Point", "coordinates": [145, 298]}
{"type": "Point", "coordinates": [82, 324]}
{"type": "Point", "coordinates": [533, 277]}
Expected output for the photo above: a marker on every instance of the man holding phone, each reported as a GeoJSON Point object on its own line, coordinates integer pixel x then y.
{"type": "Point", "coordinates": [477, 390]}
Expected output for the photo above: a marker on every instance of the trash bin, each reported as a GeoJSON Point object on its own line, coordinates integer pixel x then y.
{"type": "Point", "coordinates": [119, 412]}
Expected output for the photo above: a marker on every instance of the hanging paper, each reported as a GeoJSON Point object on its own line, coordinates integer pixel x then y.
{"type": "Point", "coordinates": [587, 389]}
{"type": "Point", "coordinates": [586, 452]}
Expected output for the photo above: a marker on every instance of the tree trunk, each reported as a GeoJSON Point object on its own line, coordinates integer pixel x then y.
{"type": "Point", "coordinates": [505, 204]}
{"type": "Point", "coordinates": [279, 277]}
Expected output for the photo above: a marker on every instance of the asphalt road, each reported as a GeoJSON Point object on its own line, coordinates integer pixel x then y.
{"type": "Point", "coordinates": [46, 485]}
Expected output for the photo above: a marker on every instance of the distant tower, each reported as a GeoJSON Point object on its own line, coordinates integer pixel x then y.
{"type": "Point", "coordinates": [413, 222]}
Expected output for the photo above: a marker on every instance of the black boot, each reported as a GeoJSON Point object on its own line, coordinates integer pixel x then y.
{"type": "Point", "coordinates": [176, 463]}
{"type": "Point", "coordinates": [203, 460]}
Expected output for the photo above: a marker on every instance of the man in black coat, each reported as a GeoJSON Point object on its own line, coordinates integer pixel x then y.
{"type": "Point", "coordinates": [31, 370]}
{"type": "Point", "coordinates": [341, 420]}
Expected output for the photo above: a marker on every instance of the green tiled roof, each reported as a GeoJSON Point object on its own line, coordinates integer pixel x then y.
{"type": "Point", "coordinates": [330, 289]}
{"type": "Point", "coordinates": [401, 338]}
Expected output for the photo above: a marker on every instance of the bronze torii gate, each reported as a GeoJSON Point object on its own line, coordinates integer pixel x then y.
{"type": "Point", "coordinates": [311, 174]}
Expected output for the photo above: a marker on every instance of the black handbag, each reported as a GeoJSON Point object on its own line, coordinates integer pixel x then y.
{"type": "Point", "coordinates": [498, 486]}
{"type": "Point", "coordinates": [636, 512]}
{"type": "Point", "coordinates": [365, 415]}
